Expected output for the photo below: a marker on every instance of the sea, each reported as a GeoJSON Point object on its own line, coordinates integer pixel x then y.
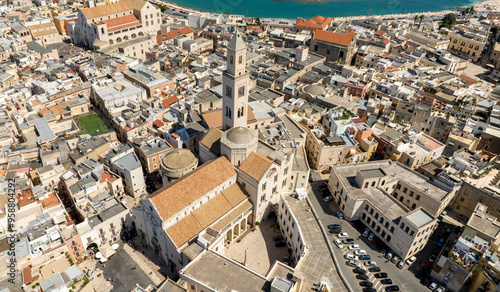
{"type": "Point", "coordinates": [335, 8]}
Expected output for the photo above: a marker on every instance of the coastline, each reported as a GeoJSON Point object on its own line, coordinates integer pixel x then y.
{"type": "Point", "coordinates": [480, 6]}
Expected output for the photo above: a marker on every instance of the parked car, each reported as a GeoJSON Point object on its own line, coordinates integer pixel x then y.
{"type": "Point", "coordinates": [365, 284]}
{"type": "Point", "coordinates": [433, 286]}
{"type": "Point", "coordinates": [386, 281]}
{"type": "Point", "coordinates": [441, 242]}
{"type": "Point", "coordinates": [411, 260]}
{"type": "Point", "coordinates": [369, 289]}
{"type": "Point", "coordinates": [380, 275]}
{"type": "Point", "coordinates": [440, 289]}
{"type": "Point", "coordinates": [354, 246]}
{"type": "Point", "coordinates": [360, 252]}
{"type": "Point", "coordinates": [401, 264]}
{"type": "Point", "coordinates": [353, 263]}
{"type": "Point", "coordinates": [392, 288]}
{"type": "Point", "coordinates": [280, 244]}
{"type": "Point", "coordinates": [347, 241]}
{"type": "Point", "coordinates": [366, 232]}
{"type": "Point", "coordinates": [432, 258]}
{"type": "Point", "coordinates": [278, 238]}
{"type": "Point", "coordinates": [371, 236]}
{"type": "Point", "coordinates": [374, 269]}
{"type": "Point", "coordinates": [328, 199]}
{"type": "Point", "coordinates": [359, 271]}
{"type": "Point", "coordinates": [349, 256]}
{"type": "Point", "coordinates": [364, 257]}
{"type": "Point", "coordinates": [326, 171]}
{"type": "Point", "coordinates": [395, 260]}
{"type": "Point", "coordinates": [338, 243]}
{"type": "Point", "coordinates": [462, 217]}
{"type": "Point", "coordinates": [388, 256]}
{"type": "Point", "coordinates": [334, 226]}
{"type": "Point", "coordinates": [370, 263]}
{"type": "Point", "coordinates": [343, 235]}
{"type": "Point", "coordinates": [362, 277]}
{"type": "Point", "coordinates": [383, 252]}
{"type": "Point", "coordinates": [340, 215]}
{"type": "Point", "coordinates": [435, 251]}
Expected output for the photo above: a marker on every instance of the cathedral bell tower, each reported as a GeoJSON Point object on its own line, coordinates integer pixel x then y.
{"type": "Point", "coordinates": [235, 85]}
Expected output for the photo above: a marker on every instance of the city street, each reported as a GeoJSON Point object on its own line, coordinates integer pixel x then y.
{"type": "Point", "coordinates": [405, 278]}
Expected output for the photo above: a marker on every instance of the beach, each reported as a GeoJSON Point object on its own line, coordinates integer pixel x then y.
{"type": "Point", "coordinates": [481, 7]}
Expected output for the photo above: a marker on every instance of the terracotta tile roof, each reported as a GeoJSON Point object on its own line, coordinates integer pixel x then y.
{"type": "Point", "coordinates": [167, 102]}
{"type": "Point", "coordinates": [179, 194]}
{"type": "Point", "coordinates": [317, 22]}
{"type": "Point", "coordinates": [351, 33]}
{"type": "Point", "coordinates": [121, 22]}
{"type": "Point", "coordinates": [255, 165]}
{"type": "Point", "coordinates": [44, 111]}
{"type": "Point", "coordinates": [380, 33]}
{"type": "Point", "coordinates": [170, 35]}
{"type": "Point", "coordinates": [158, 124]}
{"type": "Point", "coordinates": [106, 9]}
{"type": "Point", "coordinates": [57, 109]}
{"type": "Point", "coordinates": [333, 37]}
{"type": "Point", "coordinates": [107, 177]}
{"type": "Point", "coordinates": [468, 80]}
{"type": "Point", "coordinates": [211, 140]}
{"type": "Point", "coordinates": [230, 217]}
{"type": "Point", "coordinates": [385, 41]}
{"type": "Point", "coordinates": [207, 214]}
{"type": "Point", "coordinates": [213, 118]}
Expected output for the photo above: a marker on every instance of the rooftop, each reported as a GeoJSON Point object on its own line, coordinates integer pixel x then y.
{"type": "Point", "coordinates": [230, 275]}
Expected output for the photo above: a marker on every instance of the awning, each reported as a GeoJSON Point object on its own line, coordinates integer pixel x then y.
{"type": "Point", "coordinates": [107, 251]}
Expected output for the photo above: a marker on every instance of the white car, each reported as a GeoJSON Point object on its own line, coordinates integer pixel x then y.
{"type": "Point", "coordinates": [370, 238]}
{"type": "Point", "coordinates": [433, 286]}
{"type": "Point", "coordinates": [354, 246]}
{"type": "Point", "coordinates": [360, 252]}
{"type": "Point", "coordinates": [440, 289]}
{"type": "Point", "coordinates": [411, 260]}
{"type": "Point", "coordinates": [370, 263]}
{"type": "Point", "coordinates": [328, 199]}
{"type": "Point", "coordinates": [343, 235]}
{"type": "Point", "coordinates": [338, 243]}
{"type": "Point", "coordinates": [366, 232]}
{"type": "Point", "coordinates": [349, 256]}
{"type": "Point", "coordinates": [401, 264]}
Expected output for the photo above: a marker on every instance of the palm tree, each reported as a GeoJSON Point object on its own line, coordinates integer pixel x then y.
{"type": "Point", "coordinates": [420, 22]}
{"type": "Point", "coordinates": [415, 20]}
{"type": "Point", "coordinates": [463, 14]}
{"type": "Point", "coordinates": [471, 12]}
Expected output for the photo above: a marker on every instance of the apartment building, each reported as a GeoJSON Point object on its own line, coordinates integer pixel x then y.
{"type": "Point", "coordinates": [324, 151]}
{"type": "Point", "coordinates": [467, 44]}
{"type": "Point", "coordinates": [150, 152]}
{"type": "Point", "coordinates": [397, 204]}
{"type": "Point", "coordinates": [45, 33]}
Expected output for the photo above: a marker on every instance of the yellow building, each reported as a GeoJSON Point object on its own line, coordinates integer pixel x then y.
{"type": "Point", "coordinates": [467, 44]}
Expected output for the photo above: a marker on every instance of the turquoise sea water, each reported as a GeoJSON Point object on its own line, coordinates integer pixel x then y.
{"type": "Point", "coordinates": [335, 8]}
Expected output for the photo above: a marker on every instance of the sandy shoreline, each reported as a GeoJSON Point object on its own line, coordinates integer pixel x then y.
{"type": "Point", "coordinates": [487, 5]}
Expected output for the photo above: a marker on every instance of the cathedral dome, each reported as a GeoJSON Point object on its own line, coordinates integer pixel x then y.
{"type": "Point", "coordinates": [314, 90]}
{"type": "Point", "coordinates": [240, 135]}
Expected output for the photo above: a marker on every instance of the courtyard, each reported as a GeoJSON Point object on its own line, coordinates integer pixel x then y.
{"type": "Point", "coordinates": [93, 124]}
{"type": "Point", "coordinates": [257, 248]}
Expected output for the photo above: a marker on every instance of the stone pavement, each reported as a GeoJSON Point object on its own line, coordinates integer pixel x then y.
{"type": "Point", "coordinates": [318, 261]}
{"type": "Point", "coordinates": [145, 263]}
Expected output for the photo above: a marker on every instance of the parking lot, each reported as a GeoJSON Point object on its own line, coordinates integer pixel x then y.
{"type": "Point", "coordinates": [404, 278]}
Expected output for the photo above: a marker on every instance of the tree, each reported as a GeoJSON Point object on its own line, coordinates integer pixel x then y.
{"type": "Point", "coordinates": [471, 12]}
{"type": "Point", "coordinates": [463, 13]}
{"type": "Point", "coordinates": [420, 22]}
{"type": "Point", "coordinates": [415, 20]}
{"type": "Point", "coordinates": [448, 21]}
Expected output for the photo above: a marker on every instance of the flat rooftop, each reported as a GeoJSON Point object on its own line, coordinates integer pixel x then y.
{"type": "Point", "coordinates": [230, 276]}
{"type": "Point", "coordinates": [419, 218]}
{"type": "Point", "coordinates": [371, 173]}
